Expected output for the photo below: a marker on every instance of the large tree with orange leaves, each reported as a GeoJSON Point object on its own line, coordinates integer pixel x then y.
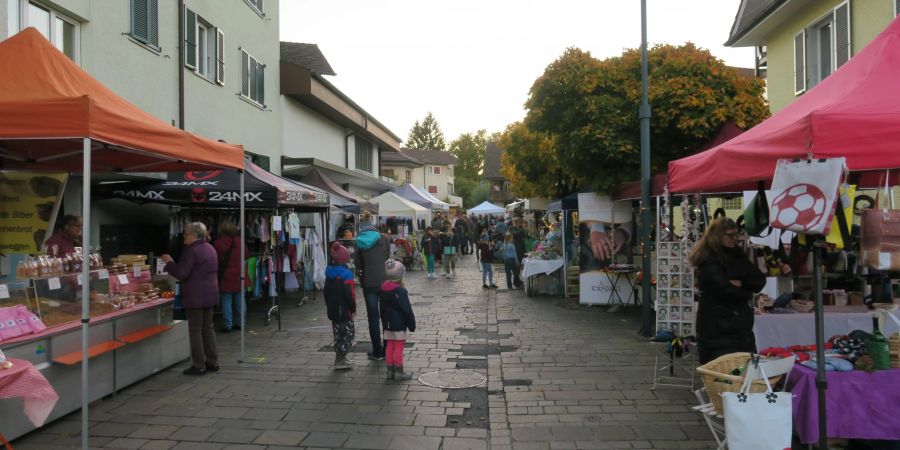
{"type": "Point", "coordinates": [587, 109]}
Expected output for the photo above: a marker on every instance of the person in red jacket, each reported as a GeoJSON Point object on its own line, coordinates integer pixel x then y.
{"type": "Point", "coordinates": [229, 252]}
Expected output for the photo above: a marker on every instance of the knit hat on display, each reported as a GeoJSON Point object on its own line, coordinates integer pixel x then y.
{"type": "Point", "coordinates": [339, 254]}
{"type": "Point", "coordinates": [394, 270]}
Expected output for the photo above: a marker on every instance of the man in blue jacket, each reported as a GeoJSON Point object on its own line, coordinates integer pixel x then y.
{"type": "Point", "coordinates": [373, 249]}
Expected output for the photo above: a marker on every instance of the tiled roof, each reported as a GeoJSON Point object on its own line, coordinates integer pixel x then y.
{"type": "Point", "coordinates": [399, 159]}
{"type": "Point", "coordinates": [491, 169]}
{"type": "Point", "coordinates": [307, 56]}
{"type": "Point", "coordinates": [749, 14]}
{"type": "Point", "coordinates": [431, 156]}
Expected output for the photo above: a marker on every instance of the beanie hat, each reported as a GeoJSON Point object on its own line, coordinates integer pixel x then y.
{"type": "Point", "coordinates": [394, 270]}
{"type": "Point", "coordinates": [339, 254]}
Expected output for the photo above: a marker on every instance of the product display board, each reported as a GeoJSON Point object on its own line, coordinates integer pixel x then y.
{"type": "Point", "coordinates": [675, 296]}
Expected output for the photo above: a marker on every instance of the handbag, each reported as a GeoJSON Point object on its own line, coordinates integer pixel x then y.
{"type": "Point", "coordinates": [880, 236]}
{"type": "Point", "coordinates": [756, 214]}
{"type": "Point", "coordinates": [449, 250]}
{"type": "Point", "coordinates": [804, 194]}
{"type": "Point", "coordinates": [757, 421]}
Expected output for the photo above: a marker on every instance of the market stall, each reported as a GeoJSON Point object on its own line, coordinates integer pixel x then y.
{"type": "Point", "coordinates": [421, 197]}
{"type": "Point", "coordinates": [392, 205]}
{"type": "Point", "coordinates": [852, 114]}
{"type": "Point", "coordinates": [486, 208]}
{"type": "Point", "coordinates": [55, 117]}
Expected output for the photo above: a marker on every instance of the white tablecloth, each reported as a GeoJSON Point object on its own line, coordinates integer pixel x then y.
{"type": "Point", "coordinates": [531, 267]}
{"type": "Point", "coordinates": [782, 330]}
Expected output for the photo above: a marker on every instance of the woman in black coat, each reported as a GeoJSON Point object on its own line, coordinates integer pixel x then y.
{"type": "Point", "coordinates": [727, 281]}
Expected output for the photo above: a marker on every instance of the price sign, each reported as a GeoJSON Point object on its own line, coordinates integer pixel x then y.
{"type": "Point", "coordinates": [53, 283]}
{"type": "Point", "coordinates": [4, 291]}
{"type": "Point", "coordinates": [276, 223]}
{"type": "Point", "coordinates": [136, 269]}
{"type": "Point", "coordinates": [80, 279]}
{"type": "Point", "coordinates": [123, 279]}
{"type": "Point", "coordinates": [160, 267]}
{"type": "Point", "coordinates": [103, 274]}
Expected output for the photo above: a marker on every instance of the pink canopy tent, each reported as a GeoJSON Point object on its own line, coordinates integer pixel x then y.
{"type": "Point", "coordinates": [854, 113]}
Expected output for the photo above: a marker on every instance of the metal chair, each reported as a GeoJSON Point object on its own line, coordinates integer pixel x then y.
{"type": "Point", "coordinates": [715, 420]}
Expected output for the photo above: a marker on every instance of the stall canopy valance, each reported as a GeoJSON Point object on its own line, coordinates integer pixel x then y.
{"type": "Point", "coordinates": [854, 113]}
{"type": "Point", "coordinates": [421, 197]}
{"type": "Point", "coordinates": [316, 178]}
{"type": "Point", "coordinates": [487, 207]}
{"type": "Point", "coordinates": [221, 188]}
{"type": "Point", "coordinates": [49, 104]}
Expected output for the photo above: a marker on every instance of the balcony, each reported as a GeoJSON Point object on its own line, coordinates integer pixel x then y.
{"type": "Point", "coordinates": [500, 197]}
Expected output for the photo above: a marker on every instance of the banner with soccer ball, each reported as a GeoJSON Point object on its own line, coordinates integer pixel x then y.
{"type": "Point", "coordinates": [804, 193]}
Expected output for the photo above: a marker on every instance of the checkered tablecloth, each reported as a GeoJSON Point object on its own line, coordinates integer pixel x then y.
{"type": "Point", "coordinates": [24, 381]}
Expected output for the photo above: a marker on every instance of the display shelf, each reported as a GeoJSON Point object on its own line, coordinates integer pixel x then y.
{"type": "Point", "coordinates": [145, 333]}
{"type": "Point", "coordinates": [70, 359]}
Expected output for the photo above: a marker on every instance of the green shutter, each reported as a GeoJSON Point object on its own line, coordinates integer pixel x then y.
{"type": "Point", "coordinates": [190, 39]}
{"type": "Point", "coordinates": [139, 20]}
{"type": "Point", "coordinates": [260, 83]}
{"type": "Point", "coordinates": [841, 34]}
{"type": "Point", "coordinates": [153, 22]}
{"type": "Point", "coordinates": [245, 74]}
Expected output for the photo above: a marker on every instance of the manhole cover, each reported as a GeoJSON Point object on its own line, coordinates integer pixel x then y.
{"type": "Point", "coordinates": [452, 379]}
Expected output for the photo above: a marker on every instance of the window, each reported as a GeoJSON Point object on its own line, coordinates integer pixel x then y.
{"type": "Point", "coordinates": [60, 30]}
{"type": "Point", "coordinates": [252, 79]}
{"type": "Point", "coordinates": [896, 7]}
{"type": "Point", "coordinates": [260, 160]}
{"type": "Point", "coordinates": [409, 172]}
{"type": "Point", "coordinates": [145, 22]}
{"type": "Point", "coordinates": [450, 189]}
{"type": "Point", "coordinates": [432, 189]}
{"type": "Point", "coordinates": [733, 203]}
{"type": "Point", "coordinates": [822, 48]}
{"type": "Point", "coordinates": [256, 5]}
{"type": "Point", "coordinates": [204, 46]}
{"type": "Point", "coordinates": [388, 173]}
{"type": "Point", "coordinates": [363, 155]}
{"type": "Point", "coordinates": [436, 170]}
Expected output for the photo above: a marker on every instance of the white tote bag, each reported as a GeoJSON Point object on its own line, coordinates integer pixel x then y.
{"type": "Point", "coordinates": [803, 194]}
{"type": "Point", "coordinates": [757, 421]}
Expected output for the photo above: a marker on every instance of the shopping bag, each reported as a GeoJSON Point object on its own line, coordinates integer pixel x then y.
{"type": "Point", "coordinates": [880, 238]}
{"type": "Point", "coordinates": [28, 321]}
{"type": "Point", "coordinates": [835, 236]}
{"type": "Point", "coordinates": [757, 421]}
{"type": "Point", "coordinates": [449, 250]}
{"type": "Point", "coordinates": [9, 325]}
{"type": "Point", "coordinates": [756, 214]}
{"type": "Point", "coordinates": [804, 194]}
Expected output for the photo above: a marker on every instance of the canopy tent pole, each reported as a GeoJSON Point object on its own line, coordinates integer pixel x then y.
{"type": "Point", "coordinates": [85, 286]}
{"type": "Point", "coordinates": [821, 382]}
{"type": "Point", "coordinates": [243, 266]}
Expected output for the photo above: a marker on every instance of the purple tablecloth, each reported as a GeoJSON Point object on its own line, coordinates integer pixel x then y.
{"type": "Point", "coordinates": [860, 405]}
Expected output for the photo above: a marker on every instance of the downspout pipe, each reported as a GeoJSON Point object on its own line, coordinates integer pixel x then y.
{"type": "Point", "coordinates": [179, 63]}
{"type": "Point", "coordinates": [347, 149]}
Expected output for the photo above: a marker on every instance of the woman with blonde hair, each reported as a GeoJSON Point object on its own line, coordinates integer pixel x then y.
{"type": "Point", "coordinates": [727, 281]}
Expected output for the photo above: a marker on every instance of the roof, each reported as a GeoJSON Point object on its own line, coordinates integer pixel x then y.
{"type": "Point", "coordinates": [399, 159]}
{"type": "Point", "coordinates": [746, 72]}
{"type": "Point", "coordinates": [492, 155]}
{"type": "Point", "coordinates": [307, 56]}
{"type": "Point", "coordinates": [438, 157]}
{"type": "Point", "coordinates": [48, 105]}
{"type": "Point", "coordinates": [749, 15]}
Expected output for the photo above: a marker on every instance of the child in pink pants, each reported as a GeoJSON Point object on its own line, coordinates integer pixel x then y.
{"type": "Point", "coordinates": [397, 318]}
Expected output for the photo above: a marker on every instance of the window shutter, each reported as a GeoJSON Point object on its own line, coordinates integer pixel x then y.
{"type": "Point", "coordinates": [190, 39]}
{"type": "Point", "coordinates": [139, 20]}
{"type": "Point", "coordinates": [896, 7]}
{"type": "Point", "coordinates": [153, 22]}
{"type": "Point", "coordinates": [842, 34]}
{"type": "Point", "coordinates": [220, 56]}
{"type": "Point", "coordinates": [800, 62]}
{"type": "Point", "coordinates": [260, 83]}
{"type": "Point", "coordinates": [245, 74]}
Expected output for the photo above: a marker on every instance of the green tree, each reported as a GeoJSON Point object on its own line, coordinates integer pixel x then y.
{"type": "Point", "coordinates": [588, 109]}
{"type": "Point", "coordinates": [469, 148]}
{"type": "Point", "coordinates": [530, 162]}
{"type": "Point", "coordinates": [426, 135]}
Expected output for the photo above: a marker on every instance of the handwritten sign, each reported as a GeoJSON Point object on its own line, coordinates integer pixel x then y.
{"type": "Point", "coordinates": [103, 274]}
{"type": "Point", "coordinates": [4, 291]}
{"type": "Point", "coordinates": [53, 283]}
{"type": "Point", "coordinates": [136, 269]}
{"type": "Point", "coordinates": [123, 279]}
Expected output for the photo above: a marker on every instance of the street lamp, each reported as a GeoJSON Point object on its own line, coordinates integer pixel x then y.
{"type": "Point", "coordinates": [644, 115]}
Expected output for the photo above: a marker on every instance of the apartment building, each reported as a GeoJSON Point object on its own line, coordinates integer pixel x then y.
{"type": "Point", "coordinates": [431, 170]}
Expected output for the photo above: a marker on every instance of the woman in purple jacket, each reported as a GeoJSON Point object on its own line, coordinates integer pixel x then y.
{"type": "Point", "coordinates": [198, 273]}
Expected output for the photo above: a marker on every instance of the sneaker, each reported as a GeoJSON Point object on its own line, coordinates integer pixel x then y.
{"type": "Point", "coordinates": [212, 368]}
{"type": "Point", "coordinates": [484, 286]}
{"type": "Point", "coordinates": [375, 357]}
{"type": "Point", "coordinates": [193, 371]}
{"type": "Point", "coordinates": [493, 286]}
{"type": "Point", "coordinates": [343, 364]}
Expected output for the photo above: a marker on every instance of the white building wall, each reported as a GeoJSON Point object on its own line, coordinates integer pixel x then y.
{"type": "Point", "coordinates": [307, 134]}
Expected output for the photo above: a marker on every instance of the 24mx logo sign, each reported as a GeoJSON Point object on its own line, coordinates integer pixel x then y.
{"type": "Point", "coordinates": [201, 175]}
{"type": "Point", "coordinates": [215, 196]}
{"type": "Point", "coordinates": [145, 195]}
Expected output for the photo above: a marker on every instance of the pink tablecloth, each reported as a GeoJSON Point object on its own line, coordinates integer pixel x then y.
{"type": "Point", "coordinates": [24, 381]}
{"type": "Point", "coordinates": [859, 405]}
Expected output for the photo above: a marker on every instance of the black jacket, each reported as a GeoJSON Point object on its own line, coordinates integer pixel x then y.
{"type": "Point", "coordinates": [372, 250]}
{"type": "Point", "coordinates": [340, 298]}
{"type": "Point", "coordinates": [396, 311]}
{"type": "Point", "coordinates": [725, 317]}
{"type": "Point", "coordinates": [431, 245]}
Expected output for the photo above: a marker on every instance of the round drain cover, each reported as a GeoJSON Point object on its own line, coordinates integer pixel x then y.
{"type": "Point", "coordinates": [452, 379]}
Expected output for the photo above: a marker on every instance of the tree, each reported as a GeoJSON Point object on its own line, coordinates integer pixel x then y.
{"type": "Point", "coordinates": [588, 109]}
{"type": "Point", "coordinates": [530, 163]}
{"type": "Point", "coordinates": [472, 192]}
{"type": "Point", "coordinates": [426, 135]}
{"type": "Point", "coordinates": [469, 149]}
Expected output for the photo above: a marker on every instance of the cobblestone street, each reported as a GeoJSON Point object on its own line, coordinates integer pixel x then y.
{"type": "Point", "coordinates": [559, 376]}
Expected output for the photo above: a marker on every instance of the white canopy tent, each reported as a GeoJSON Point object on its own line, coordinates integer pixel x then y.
{"type": "Point", "coordinates": [421, 197]}
{"type": "Point", "coordinates": [487, 207]}
{"type": "Point", "coordinates": [392, 205]}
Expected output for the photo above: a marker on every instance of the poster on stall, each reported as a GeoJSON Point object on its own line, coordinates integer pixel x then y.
{"type": "Point", "coordinates": [28, 206]}
{"type": "Point", "coordinates": [599, 215]}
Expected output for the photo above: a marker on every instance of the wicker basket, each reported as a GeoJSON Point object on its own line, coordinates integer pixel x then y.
{"type": "Point", "coordinates": [717, 377]}
{"type": "Point", "coordinates": [894, 345]}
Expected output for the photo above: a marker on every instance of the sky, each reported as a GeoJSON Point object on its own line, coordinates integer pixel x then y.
{"type": "Point", "coordinates": [472, 62]}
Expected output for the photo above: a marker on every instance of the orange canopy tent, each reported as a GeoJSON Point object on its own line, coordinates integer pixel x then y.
{"type": "Point", "coordinates": [48, 105]}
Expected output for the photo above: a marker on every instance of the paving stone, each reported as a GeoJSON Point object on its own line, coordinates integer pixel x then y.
{"type": "Point", "coordinates": [368, 441]}
{"type": "Point", "coordinates": [159, 445]}
{"type": "Point", "coordinates": [154, 431]}
{"type": "Point", "coordinates": [198, 446]}
{"type": "Point", "coordinates": [126, 443]}
{"type": "Point", "coordinates": [321, 439]}
{"type": "Point", "coordinates": [197, 434]}
{"type": "Point", "coordinates": [451, 443]}
{"type": "Point", "coordinates": [113, 429]}
{"type": "Point", "coordinates": [234, 436]}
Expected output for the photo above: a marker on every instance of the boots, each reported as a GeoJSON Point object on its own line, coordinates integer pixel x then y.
{"type": "Point", "coordinates": [341, 362]}
{"type": "Point", "coordinates": [400, 375]}
{"type": "Point", "coordinates": [390, 373]}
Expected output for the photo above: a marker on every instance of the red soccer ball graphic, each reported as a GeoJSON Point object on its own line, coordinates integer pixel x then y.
{"type": "Point", "coordinates": [800, 207]}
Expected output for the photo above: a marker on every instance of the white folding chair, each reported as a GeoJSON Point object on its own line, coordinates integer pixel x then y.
{"type": "Point", "coordinates": [716, 421]}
